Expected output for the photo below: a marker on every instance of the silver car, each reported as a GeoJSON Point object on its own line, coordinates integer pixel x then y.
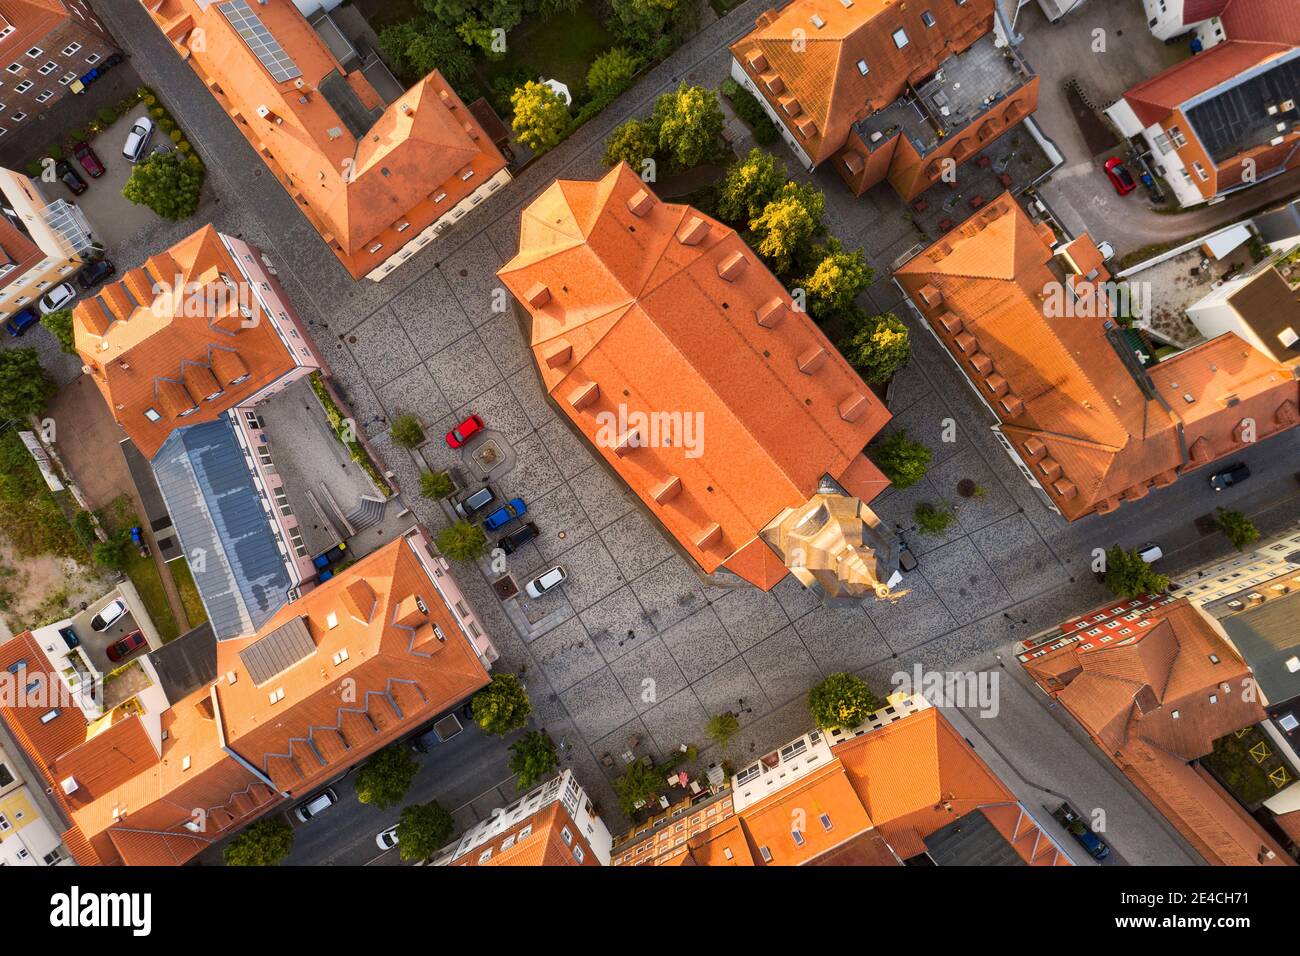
{"type": "Point", "coordinates": [137, 141]}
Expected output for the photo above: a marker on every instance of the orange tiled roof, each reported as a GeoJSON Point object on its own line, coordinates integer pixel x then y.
{"type": "Point", "coordinates": [402, 666]}
{"type": "Point", "coordinates": [1068, 402]}
{"type": "Point", "coordinates": [409, 166]}
{"type": "Point", "coordinates": [1155, 701]}
{"type": "Point", "coordinates": [543, 846]}
{"type": "Point", "coordinates": [1266, 20]}
{"type": "Point", "coordinates": [811, 72]}
{"type": "Point", "coordinates": [655, 308]}
{"type": "Point", "coordinates": [169, 334]}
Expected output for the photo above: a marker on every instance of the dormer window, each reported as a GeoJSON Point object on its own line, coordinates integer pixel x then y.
{"type": "Point", "coordinates": [241, 379]}
{"type": "Point", "coordinates": [217, 394]}
{"type": "Point", "coordinates": [189, 411]}
{"type": "Point", "coordinates": [152, 415]}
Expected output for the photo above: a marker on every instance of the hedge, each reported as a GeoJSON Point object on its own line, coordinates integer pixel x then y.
{"type": "Point", "coordinates": [749, 109]}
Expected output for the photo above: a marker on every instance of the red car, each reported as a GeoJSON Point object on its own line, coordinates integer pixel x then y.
{"type": "Point", "coordinates": [89, 161]}
{"type": "Point", "coordinates": [126, 646]}
{"type": "Point", "coordinates": [464, 431]}
{"type": "Point", "coordinates": [1119, 177]}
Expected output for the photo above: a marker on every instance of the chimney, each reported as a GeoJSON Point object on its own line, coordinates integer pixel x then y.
{"type": "Point", "coordinates": [630, 440]}
{"type": "Point", "coordinates": [640, 203]}
{"type": "Point", "coordinates": [732, 266]}
{"type": "Point", "coordinates": [693, 231]}
{"type": "Point", "coordinates": [708, 536]}
{"type": "Point", "coordinates": [851, 408]}
{"type": "Point", "coordinates": [538, 295]}
{"type": "Point", "coordinates": [811, 360]}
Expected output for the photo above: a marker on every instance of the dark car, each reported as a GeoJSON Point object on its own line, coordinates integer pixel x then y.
{"type": "Point", "coordinates": [68, 176]}
{"type": "Point", "coordinates": [21, 321]}
{"type": "Point", "coordinates": [1070, 819]}
{"type": "Point", "coordinates": [475, 502]}
{"type": "Point", "coordinates": [518, 538]}
{"type": "Point", "coordinates": [95, 273]}
{"type": "Point", "coordinates": [69, 637]}
{"type": "Point", "coordinates": [1232, 475]}
{"type": "Point", "coordinates": [121, 650]}
{"type": "Point", "coordinates": [1119, 177]}
{"type": "Point", "coordinates": [89, 161]}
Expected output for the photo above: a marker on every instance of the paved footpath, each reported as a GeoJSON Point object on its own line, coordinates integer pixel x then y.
{"type": "Point", "coordinates": [640, 646]}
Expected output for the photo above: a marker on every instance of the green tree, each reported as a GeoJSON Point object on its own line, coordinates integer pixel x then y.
{"type": "Point", "coordinates": [422, 830]}
{"type": "Point", "coordinates": [167, 183]}
{"type": "Point", "coordinates": [532, 758]}
{"type": "Point", "coordinates": [502, 706]}
{"type": "Point", "coordinates": [111, 554]}
{"type": "Point", "coordinates": [611, 73]}
{"type": "Point", "coordinates": [24, 386]}
{"type": "Point", "coordinates": [462, 541]}
{"type": "Point", "coordinates": [877, 346]}
{"type": "Point", "coordinates": [749, 185]}
{"type": "Point", "coordinates": [1127, 575]}
{"type": "Point", "coordinates": [841, 700]}
{"type": "Point", "coordinates": [788, 224]}
{"type": "Point", "coordinates": [931, 519]}
{"type": "Point", "coordinates": [689, 121]}
{"type": "Point", "coordinates": [406, 431]}
{"type": "Point", "coordinates": [722, 727]}
{"type": "Point", "coordinates": [633, 143]}
{"type": "Point", "coordinates": [541, 118]}
{"type": "Point", "coordinates": [839, 277]}
{"type": "Point", "coordinates": [386, 776]}
{"type": "Point", "coordinates": [645, 24]}
{"type": "Point", "coordinates": [903, 461]}
{"type": "Point", "coordinates": [436, 484]}
{"type": "Point", "coordinates": [60, 325]}
{"type": "Point", "coordinates": [265, 843]}
{"type": "Point", "coordinates": [639, 783]}
{"type": "Point", "coordinates": [418, 47]}
{"type": "Point", "coordinates": [1238, 528]}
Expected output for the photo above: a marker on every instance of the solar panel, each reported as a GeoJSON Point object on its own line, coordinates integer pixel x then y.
{"type": "Point", "coordinates": [278, 651]}
{"type": "Point", "coordinates": [259, 39]}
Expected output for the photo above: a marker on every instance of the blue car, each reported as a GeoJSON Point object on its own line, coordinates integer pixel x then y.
{"type": "Point", "coordinates": [20, 322]}
{"type": "Point", "coordinates": [507, 513]}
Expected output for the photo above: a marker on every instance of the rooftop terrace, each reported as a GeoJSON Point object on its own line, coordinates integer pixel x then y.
{"type": "Point", "coordinates": [964, 88]}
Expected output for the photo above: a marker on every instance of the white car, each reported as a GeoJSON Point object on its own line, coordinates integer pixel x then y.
{"type": "Point", "coordinates": [137, 141]}
{"type": "Point", "coordinates": [57, 298]}
{"type": "Point", "coordinates": [388, 839]}
{"type": "Point", "coordinates": [548, 580]}
{"type": "Point", "coordinates": [108, 615]}
{"type": "Point", "coordinates": [316, 805]}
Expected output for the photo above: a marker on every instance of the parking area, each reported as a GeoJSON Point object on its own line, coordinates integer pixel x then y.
{"type": "Point", "coordinates": [96, 642]}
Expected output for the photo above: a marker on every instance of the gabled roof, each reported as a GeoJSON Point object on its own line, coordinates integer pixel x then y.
{"type": "Point", "coordinates": [217, 512]}
{"type": "Point", "coordinates": [643, 310]}
{"type": "Point", "coordinates": [1092, 425]}
{"type": "Point", "coordinates": [1154, 99]}
{"type": "Point", "coordinates": [357, 165]}
{"type": "Point", "coordinates": [169, 337]}
{"type": "Point", "coordinates": [1255, 19]}
{"type": "Point", "coordinates": [368, 678]}
{"type": "Point", "coordinates": [807, 53]}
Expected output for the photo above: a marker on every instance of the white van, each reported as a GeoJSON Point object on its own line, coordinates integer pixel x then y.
{"type": "Point", "coordinates": [1150, 553]}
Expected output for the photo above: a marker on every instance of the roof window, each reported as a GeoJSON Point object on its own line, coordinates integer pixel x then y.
{"type": "Point", "coordinates": [900, 38]}
{"type": "Point", "coordinates": [817, 21]}
{"type": "Point", "coordinates": [863, 68]}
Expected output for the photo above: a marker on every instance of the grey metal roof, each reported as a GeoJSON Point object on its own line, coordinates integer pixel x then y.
{"type": "Point", "coordinates": [343, 98]}
{"type": "Point", "coordinates": [278, 651]}
{"type": "Point", "coordinates": [224, 528]}
{"type": "Point", "coordinates": [971, 841]}
{"type": "Point", "coordinates": [1236, 118]}
{"type": "Point", "coordinates": [187, 663]}
{"type": "Point", "coordinates": [1267, 637]}
{"type": "Point", "coordinates": [1280, 224]}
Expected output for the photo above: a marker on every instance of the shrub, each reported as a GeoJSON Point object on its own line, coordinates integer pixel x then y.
{"type": "Point", "coordinates": [532, 759]}
{"type": "Point", "coordinates": [55, 153]}
{"type": "Point", "coordinates": [60, 325]}
{"type": "Point", "coordinates": [175, 135]}
{"type": "Point", "coordinates": [266, 843]}
{"type": "Point", "coordinates": [462, 541]}
{"type": "Point", "coordinates": [111, 554]}
{"type": "Point", "coordinates": [436, 484]}
{"type": "Point", "coordinates": [932, 520]}
{"type": "Point", "coordinates": [167, 184]}
{"type": "Point", "coordinates": [83, 526]}
{"type": "Point", "coordinates": [24, 386]}
{"type": "Point", "coordinates": [722, 727]}
{"type": "Point", "coordinates": [1127, 575]}
{"type": "Point", "coordinates": [640, 782]}
{"type": "Point", "coordinates": [1238, 528]}
{"type": "Point", "coordinates": [407, 432]}
{"type": "Point", "coordinates": [106, 115]}
{"type": "Point", "coordinates": [610, 74]}
{"type": "Point", "coordinates": [749, 109]}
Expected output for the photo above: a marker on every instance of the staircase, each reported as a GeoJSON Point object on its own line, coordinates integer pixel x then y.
{"type": "Point", "coordinates": [368, 513]}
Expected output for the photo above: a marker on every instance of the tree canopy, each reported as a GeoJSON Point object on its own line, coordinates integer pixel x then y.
{"type": "Point", "coordinates": [386, 776]}
{"type": "Point", "coordinates": [24, 386]}
{"type": "Point", "coordinates": [838, 278]}
{"type": "Point", "coordinates": [532, 759]}
{"type": "Point", "coordinates": [1127, 575]}
{"type": "Point", "coordinates": [690, 122]}
{"type": "Point", "coordinates": [1238, 528]}
{"type": "Point", "coordinates": [788, 225]}
{"type": "Point", "coordinates": [418, 47]}
{"type": "Point", "coordinates": [639, 782]}
{"type": "Point", "coordinates": [265, 843]}
{"type": "Point", "coordinates": [877, 346]}
{"type": "Point", "coordinates": [60, 325]}
{"type": "Point", "coordinates": [749, 185]}
{"type": "Point", "coordinates": [633, 142]}
{"type": "Point", "coordinates": [462, 541]}
{"type": "Point", "coordinates": [903, 461]}
{"type": "Point", "coordinates": [841, 700]}
{"type": "Point", "coordinates": [502, 706]}
{"type": "Point", "coordinates": [541, 118]}
{"type": "Point", "coordinates": [168, 183]}
{"type": "Point", "coordinates": [422, 830]}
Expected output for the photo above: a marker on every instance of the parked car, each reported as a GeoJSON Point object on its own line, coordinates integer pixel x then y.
{"type": "Point", "coordinates": [21, 321]}
{"type": "Point", "coordinates": [547, 581]}
{"type": "Point", "coordinates": [69, 637]}
{"type": "Point", "coordinates": [1119, 176]}
{"type": "Point", "coordinates": [316, 805]}
{"type": "Point", "coordinates": [475, 502]}
{"type": "Point", "coordinates": [68, 176]}
{"type": "Point", "coordinates": [518, 538]}
{"type": "Point", "coordinates": [906, 560]}
{"type": "Point", "coordinates": [1150, 553]}
{"type": "Point", "coordinates": [90, 162]}
{"type": "Point", "coordinates": [108, 615]}
{"type": "Point", "coordinates": [122, 649]}
{"type": "Point", "coordinates": [137, 141]}
{"type": "Point", "coordinates": [464, 431]}
{"type": "Point", "coordinates": [59, 297]}
{"type": "Point", "coordinates": [387, 839]}
{"type": "Point", "coordinates": [95, 273]}
{"type": "Point", "coordinates": [1068, 818]}
{"type": "Point", "coordinates": [1232, 475]}
{"type": "Point", "coordinates": [508, 512]}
